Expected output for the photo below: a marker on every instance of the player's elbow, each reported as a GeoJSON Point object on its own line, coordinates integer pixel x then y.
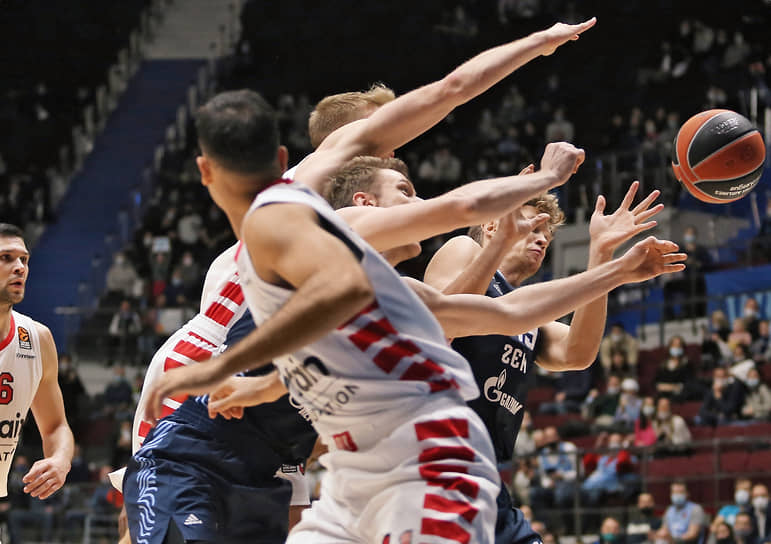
{"type": "Point", "coordinates": [466, 209]}
{"type": "Point", "coordinates": [455, 88]}
{"type": "Point", "coordinates": [356, 289]}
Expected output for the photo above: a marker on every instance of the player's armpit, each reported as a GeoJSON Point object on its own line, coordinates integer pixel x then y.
{"type": "Point", "coordinates": [450, 261]}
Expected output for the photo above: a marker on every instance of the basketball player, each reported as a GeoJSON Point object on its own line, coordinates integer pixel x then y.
{"type": "Point", "coordinates": [490, 260]}
{"type": "Point", "coordinates": [368, 364]}
{"type": "Point", "coordinates": [28, 378]}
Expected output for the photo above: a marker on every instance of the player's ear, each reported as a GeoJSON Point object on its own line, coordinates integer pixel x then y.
{"type": "Point", "coordinates": [204, 167]}
{"type": "Point", "coordinates": [283, 157]}
{"type": "Point", "coordinates": [360, 198]}
{"type": "Point", "coordinates": [490, 228]}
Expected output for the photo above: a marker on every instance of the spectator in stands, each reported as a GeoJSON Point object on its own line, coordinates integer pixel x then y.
{"type": "Point", "coordinates": [524, 479]}
{"type": "Point", "coordinates": [739, 334]}
{"type": "Point", "coordinates": [629, 405]}
{"type": "Point", "coordinates": [124, 330]}
{"type": "Point", "coordinates": [121, 277]}
{"type": "Point", "coordinates": [761, 511]}
{"type": "Point", "coordinates": [176, 286]}
{"type": "Point", "coordinates": [556, 473]}
{"type": "Point", "coordinates": [761, 346]}
{"type": "Point", "coordinates": [720, 532]}
{"type": "Point", "coordinates": [189, 228]}
{"type": "Point", "coordinates": [611, 473]}
{"type": "Point", "coordinates": [684, 521]}
{"type": "Point", "coordinates": [644, 431]}
{"type": "Point", "coordinates": [27, 511]}
{"type": "Point", "coordinates": [751, 315]}
{"type": "Point", "coordinates": [620, 366]}
{"type": "Point", "coordinates": [79, 472]}
{"type": "Point", "coordinates": [723, 402]}
{"type": "Point", "coordinates": [674, 379]}
{"type": "Point", "coordinates": [72, 391]}
{"type": "Point", "coordinates": [549, 538]}
{"type": "Point", "coordinates": [672, 434]}
{"type": "Point", "coordinates": [602, 408]}
{"type": "Point", "coordinates": [741, 363]}
{"type": "Point", "coordinates": [560, 129]}
{"type": "Point", "coordinates": [728, 512]}
{"type": "Point", "coordinates": [757, 401]}
{"type": "Point", "coordinates": [159, 268]}
{"type": "Point", "coordinates": [190, 272]}
{"type": "Point", "coordinates": [610, 532]}
{"type": "Point", "coordinates": [538, 526]}
{"type": "Point", "coordinates": [643, 521]}
{"type": "Point", "coordinates": [744, 531]}
{"type": "Point", "coordinates": [714, 347]}
{"type": "Point", "coordinates": [620, 340]}
{"type": "Point", "coordinates": [685, 288]}
{"type": "Point", "coordinates": [117, 397]}
{"type": "Point", "coordinates": [525, 443]}
{"type": "Point", "coordinates": [572, 389]}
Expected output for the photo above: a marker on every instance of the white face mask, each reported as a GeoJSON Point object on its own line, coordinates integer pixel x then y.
{"type": "Point", "coordinates": [760, 502]}
{"type": "Point", "coordinates": [648, 410]}
{"type": "Point", "coordinates": [742, 496]}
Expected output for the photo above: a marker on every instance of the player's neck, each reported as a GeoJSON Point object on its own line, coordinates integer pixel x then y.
{"type": "Point", "coordinates": [5, 320]}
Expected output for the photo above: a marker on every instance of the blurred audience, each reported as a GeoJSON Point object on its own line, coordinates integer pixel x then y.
{"type": "Point", "coordinates": [684, 521]}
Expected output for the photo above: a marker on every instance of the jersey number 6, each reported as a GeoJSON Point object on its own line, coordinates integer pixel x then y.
{"type": "Point", "coordinates": [6, 390]}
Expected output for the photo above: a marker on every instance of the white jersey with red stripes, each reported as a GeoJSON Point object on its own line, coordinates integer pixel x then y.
{"type": "Point", "coordinates": [21, 369]}
{"type": "Point", "coordinates": [386, 360]}
{"type": "Point", "coordinates": [222, 304]}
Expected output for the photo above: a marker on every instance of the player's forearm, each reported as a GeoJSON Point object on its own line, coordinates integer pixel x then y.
{"type": "Point", "coordinates": [582, 342]}
{"type": "Point", "coordinates": [490, 199]}
{"type": "Point", "coordinates": [59, 443]}
{"type": "Point", "coordinates": [475, 278]}
{"type": "Point", "coordinates": [316, 308]}
{"type": "Point", "coordinates": [528, 307]}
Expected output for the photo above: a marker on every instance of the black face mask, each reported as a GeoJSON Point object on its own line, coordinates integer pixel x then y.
{"type": "Point", "coordinates": [552, 446]}
{"type": "Point", "coordinates": [647, 511]}
{"type": "Point", "coordinates": [727, 540]}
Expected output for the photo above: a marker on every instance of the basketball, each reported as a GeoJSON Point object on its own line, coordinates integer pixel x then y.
{"type": "Point", "coordinates": [718, 156]}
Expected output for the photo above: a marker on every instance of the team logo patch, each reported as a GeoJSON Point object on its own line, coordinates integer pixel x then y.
{"type": "Point", "coordinates": [192, 519]}
{"type": "Point", "coordinates": [24, 340]}
{"type": "Point", "coordinates": [288, 469]}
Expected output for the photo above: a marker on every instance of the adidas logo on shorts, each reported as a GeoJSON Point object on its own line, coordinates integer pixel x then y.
{"type": "Point", "coordinates": [192, 519]}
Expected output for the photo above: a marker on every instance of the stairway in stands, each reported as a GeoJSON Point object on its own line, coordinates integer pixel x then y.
{"type": "Point", "coordinates": [103, 187]}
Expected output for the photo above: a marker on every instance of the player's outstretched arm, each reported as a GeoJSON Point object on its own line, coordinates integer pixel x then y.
{"type": "Point", "coordinates": [413, 113]}
{"type": "Point", "coordinates": [534, 305]}
{"type": "Point", "coordinates": [472, 204]}
{"type": "Point", "coordinates": [330, 288]}
{"type": "Point", "coordinates": [575, 347]}
{"type": "Point", "coordinates": [47, 475]}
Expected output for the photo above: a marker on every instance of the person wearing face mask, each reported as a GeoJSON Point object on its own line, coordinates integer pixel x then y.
{"type": "Point", "coordinates": [619, 340]}
{"type": "Point", "coordinates": [644, 433]}
{"type": "Point", "coordinates": [723, 402]}
{"type": "Point", "coordinates": [672, 434]}
{"type": "Point", "coordinates": [761, 346]}
{"type": "Point", "coordinates": [629, 405]}
{"type": "Point", "coordinates": [556, 473]}
{"type": "Point", "coordinates": [601, 408]}
{"type": "Point", "coordinates": [643, 522]}
{"type": "Point", "coordinates": [757, 400]}
{"type": "Point", "coordinates": [741, 502]}
{"type": "Point", "coordinates": [121, 276]}
{"type": "Point", "coordinates": [760, 512]}
{"type": "Point", "coordinates": [674, 377]}
{"type": "Point", "coordinates": [721, 533]}
{"type": "Point", "coordinates": [684, 521]}
{"type": "Point", "coordinates": [610, 532]}
{"type": "Point", "coordinates": [751, 315]}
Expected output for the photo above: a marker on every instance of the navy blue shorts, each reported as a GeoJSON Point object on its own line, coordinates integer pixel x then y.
{"type": "Point", "coordinates": [210, 492]}
{"type": "Point", "coordinates": [511, 527]}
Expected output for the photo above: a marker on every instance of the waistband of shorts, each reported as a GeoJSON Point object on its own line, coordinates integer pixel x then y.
{"type": "Point", "coordinates": [360, 435]}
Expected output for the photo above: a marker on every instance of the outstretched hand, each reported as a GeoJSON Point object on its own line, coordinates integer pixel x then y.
{"type": "Point", "coordinates": [514, 226]}
{"type": "Point", "coordinates": [608, 232]}
{"type": "Point", "coordinates": [561, 33]}
{"type": "Point", "coordinates": [651, 257]}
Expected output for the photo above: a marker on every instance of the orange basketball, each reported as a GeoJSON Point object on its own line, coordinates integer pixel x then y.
{"type": "Point", "coordinates": [718, 156]}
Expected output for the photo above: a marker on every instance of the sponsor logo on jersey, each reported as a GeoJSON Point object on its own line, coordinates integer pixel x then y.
{"type": "Point", "coordinates": [494, 394]}
{"type": "Point", "coordinates": [289, 469]}
{"type": "Point", "coordinates": [304, 379]}
{"type": "Point", "coordinates": [9, 428]}
{"type": "Point", "coordinates": [192, 519]}
{"type": "Point", "coordinates": [24, 340]}
{"type": "Point", "coordinates": [24, 356]}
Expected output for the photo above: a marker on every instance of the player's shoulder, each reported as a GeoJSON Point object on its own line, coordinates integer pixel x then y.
{"type": "Point", "coordinates": [23, 320]}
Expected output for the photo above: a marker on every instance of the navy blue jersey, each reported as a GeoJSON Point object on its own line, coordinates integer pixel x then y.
{"type": "Point", "coordinates": [504, 368]}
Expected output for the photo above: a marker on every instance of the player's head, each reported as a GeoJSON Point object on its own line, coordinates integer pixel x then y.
{"type": "Point", "coordinates": [371, 181]}
{"type": "Point", "coordinates": [239, 141]}
{"type": "Point", "coordinates": [336, 110]}
{"type": "Point", "coordinates": [526, 255]}
{"type": "Point", "coordinates": [14, 264]}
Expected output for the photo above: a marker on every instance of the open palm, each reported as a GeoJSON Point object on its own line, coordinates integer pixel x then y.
{"type": "Point", "coordinates": [608, 232]}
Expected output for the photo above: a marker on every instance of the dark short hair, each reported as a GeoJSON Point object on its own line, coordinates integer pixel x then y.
{"type": "Point", "coordinates": [10, 231]}
{"type": "Point", "coordinates": [239, 130]}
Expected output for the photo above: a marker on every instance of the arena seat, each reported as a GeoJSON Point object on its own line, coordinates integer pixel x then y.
{"type": "Point", "coordinates": [538, 395]}
{"type": "Point", "coordinates": [759, 460]}
{"type": "Point", "coordinates": [701, 432]}
{"type": "Point", "coordinates": [734, 461]}
{"type": "Point", "coordinates": [687, 410]}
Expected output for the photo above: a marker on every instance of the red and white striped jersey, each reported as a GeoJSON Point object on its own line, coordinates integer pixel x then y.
{"type": "Point", "coordinates": [222, 304]}
{"type": "Point", "coordinates": [21, 369]}
{"type": "Point", "coordinates": [385, 360]}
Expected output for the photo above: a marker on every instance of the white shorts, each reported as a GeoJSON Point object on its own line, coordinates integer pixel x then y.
{"type": "Point", "coordinates": [434, 477]}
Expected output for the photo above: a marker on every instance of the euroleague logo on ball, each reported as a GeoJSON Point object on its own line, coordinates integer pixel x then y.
{"type": "Point", "coordinates": [718, 156]}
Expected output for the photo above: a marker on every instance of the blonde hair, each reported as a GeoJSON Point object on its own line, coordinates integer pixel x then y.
{"type": "Point", "coordinates": [356, 175]}
{"type": "Point", "coordinates": [545, 203]}
{"type": "Point", "coordinates": [337, 110]}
